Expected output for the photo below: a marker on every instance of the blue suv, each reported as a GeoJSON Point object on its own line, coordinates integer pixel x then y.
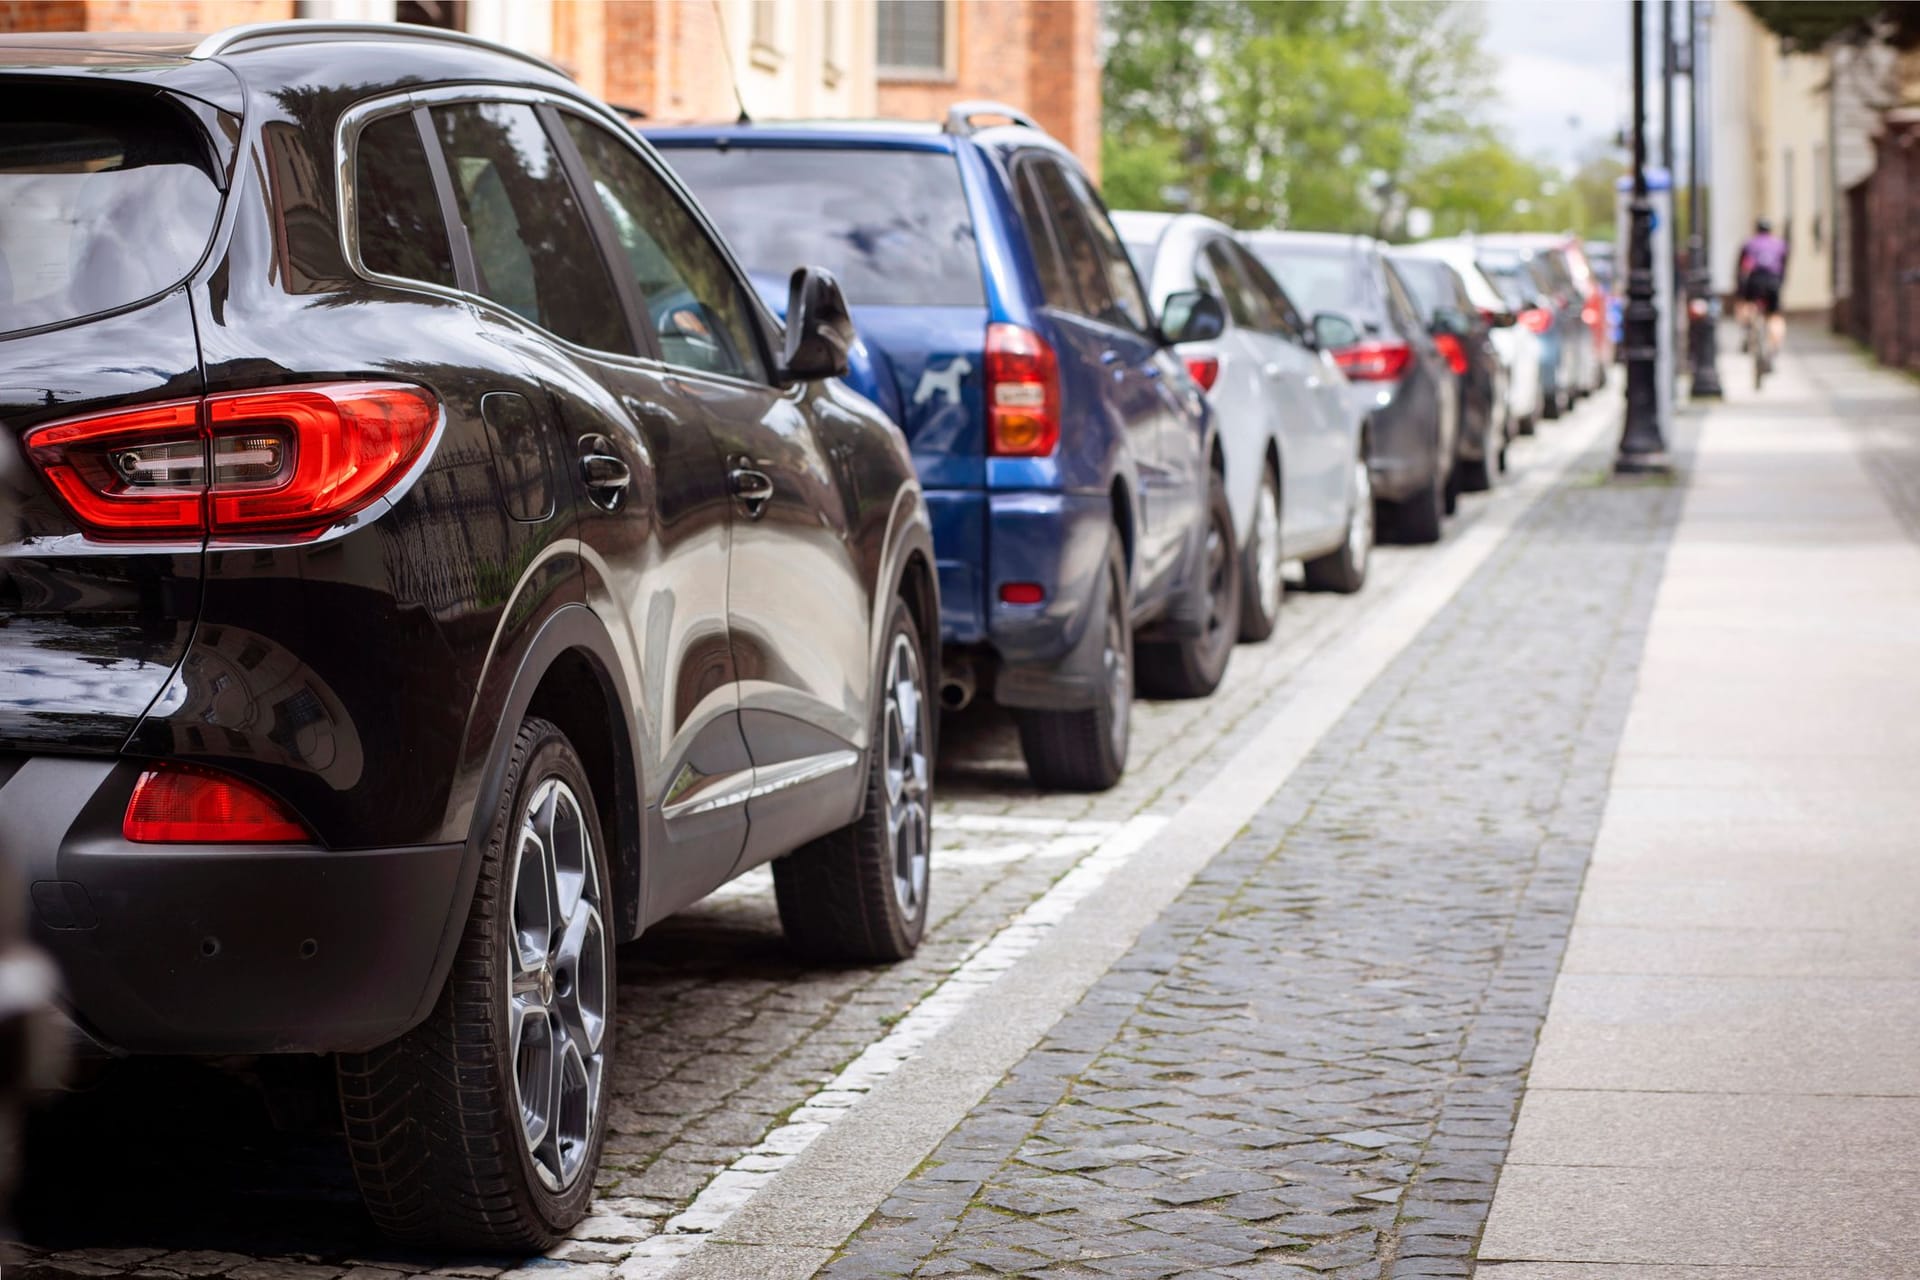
{"type": "Point", "coordinates": [1069, 463]}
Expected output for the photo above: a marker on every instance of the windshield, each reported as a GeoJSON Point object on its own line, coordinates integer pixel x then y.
{"type": "Point", "coordinates": [892, 226]}
{"type": "Point", "coordinates": [1430, 282]}
{"type": "Point", "coordinates": [110, 197]}
{"type": "Point", "coordinates": [1511, 279]}
{"type": "Point", "coordinates": [1317, 280]}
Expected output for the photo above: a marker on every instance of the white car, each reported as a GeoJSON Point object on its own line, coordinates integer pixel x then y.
{"type": "Point", "coordinates": [1296, 452]}
{"type": "Point", "coordinates": [1519, 347]}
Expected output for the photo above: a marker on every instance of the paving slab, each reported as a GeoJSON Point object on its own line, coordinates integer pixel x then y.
{"type": "Point", "coordinates": [1713, 1217]}
{"type": "Point", "coordinates": [1792, 1132]}
{"type": "Point", "coordinates": [1748, 949]}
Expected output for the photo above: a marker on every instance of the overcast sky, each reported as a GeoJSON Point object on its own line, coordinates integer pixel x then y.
{"type": "Point", "coordinates": [1560, 61]}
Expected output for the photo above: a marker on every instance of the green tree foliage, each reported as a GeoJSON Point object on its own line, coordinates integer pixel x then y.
{"type": "Point", "coordinates": [1809, 25]}
{"type": "Point", "coordinates": [1316, 113]}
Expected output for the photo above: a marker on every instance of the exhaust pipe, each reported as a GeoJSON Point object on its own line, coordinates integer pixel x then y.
{"type": "Point", "coordinates": [956, 686]}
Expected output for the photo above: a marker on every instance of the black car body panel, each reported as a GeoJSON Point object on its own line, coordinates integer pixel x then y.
{"type": "Point", "coordinates": [371, 676]}
{"type": "Point", "coordinates": [1448, 310]}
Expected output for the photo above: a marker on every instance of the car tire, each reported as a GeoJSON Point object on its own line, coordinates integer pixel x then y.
{"type": "Point", "coordinates": [1086, 750]}
{"type": "Point", "coordinates": [1262, 589]}
{"type": "Point", "coordinates": [439, 1123]}
{"type": "Point", "coordinates": [1193, 666]}
{"type": "Point", "coordinates": [1417, 520]}
{"type": "Point", "coordinates": [1528, 425]}
{"type": "Point", "coordinates": [1450, 495]}
{"type": "Point", "coordinates": [1345, 570]}
{"type": "Point", "coordinates": [1550, 408]}
{"type": "Point", "coordinates": [860, 893]}
{"type": "Point", "coordinates": [1473, 475]}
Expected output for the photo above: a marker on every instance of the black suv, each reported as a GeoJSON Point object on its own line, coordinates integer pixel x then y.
{"type": "Point", "coordinates": [423, 564]}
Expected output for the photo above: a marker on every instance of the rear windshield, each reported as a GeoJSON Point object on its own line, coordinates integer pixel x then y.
{"type": "Point", "coordinates": [892, 226]}
{"type": "Point", "coordinates": [1516, 287]}
{"type": "Point", "coordinates": [1318, 279]}
{"type": "Point", "coordinates": [108, 198]}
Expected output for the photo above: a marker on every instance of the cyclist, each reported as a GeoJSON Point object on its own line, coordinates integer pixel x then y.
{"type": "Point", "coordinates": [1763, 265]}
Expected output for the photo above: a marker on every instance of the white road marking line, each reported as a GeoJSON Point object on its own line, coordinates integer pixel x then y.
{"type": "Point", "coordinates": [733, 1186]}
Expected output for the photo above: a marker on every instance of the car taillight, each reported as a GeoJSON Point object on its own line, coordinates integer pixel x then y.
{"type": "Point", "coordinates": [1204, 370]}
{"type": "Point", "coordinates": [1374, 361]}
{"type": "Point", "coordinates": [1536, 319]}
{"type": "Point", "coordinates": [1592, 312]}
{"type": "Point", "coordinates": [284, 460]}
{"type": "Point", "coordinates": [1023, 393]}
{"type": "Point", "coordinates": [182, 804]}
{"type": "Point", "coordinates": [1455, 353]}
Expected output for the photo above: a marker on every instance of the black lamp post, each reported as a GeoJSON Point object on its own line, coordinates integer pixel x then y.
{"type": "Point", "coordinates": [1642, 446]}
{"type": "Point", "coordinates": [1702, 333]}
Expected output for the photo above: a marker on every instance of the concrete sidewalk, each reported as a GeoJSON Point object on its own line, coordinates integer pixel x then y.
{"type": "Point", "coordinates": [1729, 1074]}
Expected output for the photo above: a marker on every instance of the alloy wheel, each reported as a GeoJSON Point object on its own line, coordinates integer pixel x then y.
{"type": "Point", "coordinates": [1360, 519]}
{"type": "Point", "coordinates": [560, 982]}
{"type": "Point", "coordinates": [1119, 674]}
{"type": "Point", "coordinates": [905, 734]}
{"type": "Point", "coordinates": [1266, 531]}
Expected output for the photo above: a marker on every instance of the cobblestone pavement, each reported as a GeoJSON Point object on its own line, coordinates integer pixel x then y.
{"type": "Point", "coordinates": [1311, 1063]}
{"type": "Point", "coordinates": [168, 1171]}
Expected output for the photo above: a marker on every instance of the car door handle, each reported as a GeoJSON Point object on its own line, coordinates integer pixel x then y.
{"type": "Point", "coordinates": [605, 475]}
{"type": "Point", "coordinates": [753, 488]}
{"type": "Point", "coordinates": [1109, 356]}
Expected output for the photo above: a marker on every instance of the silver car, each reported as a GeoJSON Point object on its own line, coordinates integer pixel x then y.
{"type": "Point", "coordinates": [1296, 458]}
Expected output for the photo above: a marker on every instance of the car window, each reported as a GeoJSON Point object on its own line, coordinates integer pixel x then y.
{"type": "Point", "coordinates": [893, 226]}
{"type": "Point", "coordinates": [1428, 281]}
{"type": "Point", "coordinates": [1129, 299]}
{"type": "Point", "coordinates": [85, 175]}
{"type": "Point", "coordinates": [1080, 255]}
{"type": "Point", "coordinates": [397, 216]}
{"type": "Point", "coordinates": [1400, 305]}
{"type": "Point", "coordinates": [1288, 323]}
{"type": "Point", "coordinates": [1236, 291]}
{"type": "Point", "coordinates": [532, 249]}
{"type": "Point", "coordinates": [1056, 284]}
{"type": "Point", "coordinates": [697, 305]}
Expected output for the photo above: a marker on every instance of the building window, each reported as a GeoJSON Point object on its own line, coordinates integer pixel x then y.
{"type": "Point", "coordinates": [448, 15]}
{"type": "Point", "coordinates": [913, 37]}
{"type": "Point", "coordinates": [764, 32]}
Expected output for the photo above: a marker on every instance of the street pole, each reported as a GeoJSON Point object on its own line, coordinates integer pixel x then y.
{"type": "Point", "coordinates": [1702, 332]}
{"type": "Point", "coordinates": [1642, 447]}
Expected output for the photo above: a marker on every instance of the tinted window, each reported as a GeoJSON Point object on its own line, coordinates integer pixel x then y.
{"type": "Point", "coordinates": [693, 298]}
{"type": "Point", "coordinates": [1121, 280]}
{"type": "Point", "coordinates": [1080, 254]}
{"type": "Point", "coordinates": [1400, 306]}
{"type": "Point", "coordinates": [892, 226]}
{"type": "Point", "coordinates": [1516, 287]}
{"type": "Point", "coordinates": [531, 246]}
{"type": "Point", "coordinates": [1056, 286]}
{"type": "Point", "coordinates": [107, 199]}
{"type": "Point", "coordinates": [1279, 306]}
{"type": "Point", "coordinates": [1318, 279]}
{"type": "Point", "coordinates": [1430, 283]}
{"type": "Point", "coordinates": [397, 213]}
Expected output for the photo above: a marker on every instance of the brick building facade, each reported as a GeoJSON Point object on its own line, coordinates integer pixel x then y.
{"type": "Point", "coordinates": [702, 59]}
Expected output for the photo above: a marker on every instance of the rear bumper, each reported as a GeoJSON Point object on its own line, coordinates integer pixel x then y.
{"type": "Point", "coordinates": [1402, 453]}
{"type": "Point", "coordinates": [224, 949]}
{"type": "Point", "coordinates": [1055, 541]}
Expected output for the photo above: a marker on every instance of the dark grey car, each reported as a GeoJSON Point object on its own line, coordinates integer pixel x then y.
{"type": "Point", "coordinates": [1398, 379]}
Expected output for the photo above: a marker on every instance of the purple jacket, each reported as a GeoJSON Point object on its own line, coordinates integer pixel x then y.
{"type": "Point", "coordinates": [1765, 252]}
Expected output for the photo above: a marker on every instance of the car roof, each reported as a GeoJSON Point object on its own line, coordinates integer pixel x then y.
{"type": "Point", "coordinates": [879, 135]}
{"type": "Point", "coordinates": [387, 52]}
{"type": "Point", "coordinates": [1137, 225]}
{"type": "Point", "coordinates": [1325, 240]}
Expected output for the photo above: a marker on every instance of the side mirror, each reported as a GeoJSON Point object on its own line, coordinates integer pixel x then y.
{"type": "Point", "coordinates": [1332, 331]}
{"type": "Point", "coordinates": [1502, 319]}
{"type": "Point", "coordinates": [1192, 316]}
{"type": "Point", "coordinates": [819, 328]}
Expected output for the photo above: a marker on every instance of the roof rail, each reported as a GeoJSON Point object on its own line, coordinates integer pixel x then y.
{"type": "Point", "coordinates": [299, 30]}
{"type": "Point", "coordinates": [961, 115]}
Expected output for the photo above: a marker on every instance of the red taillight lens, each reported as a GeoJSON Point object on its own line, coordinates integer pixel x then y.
{"type": "Point", "coordinates": [1204, 370]}
{"type": "Point", "coordinates": [1593, 313]}
{"type": "Point", "coordinates": [1375, 361]}
{"type": "Point", "coordinates": [1455, 353]}
{"type": "Point", "coordinates": [181, 804]}
{"type": "Point", "coordinates": [1536, 319]}
{"type": "Point", "coordinates": [1023, 393]}
{"type": "Point", "coordinates": [291, 459]}
{"type": "Point", "coordinates": [1022, 593]}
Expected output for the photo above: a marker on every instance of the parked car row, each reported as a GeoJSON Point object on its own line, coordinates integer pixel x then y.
{"type": "Point", "coordinates": [445, 532]}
